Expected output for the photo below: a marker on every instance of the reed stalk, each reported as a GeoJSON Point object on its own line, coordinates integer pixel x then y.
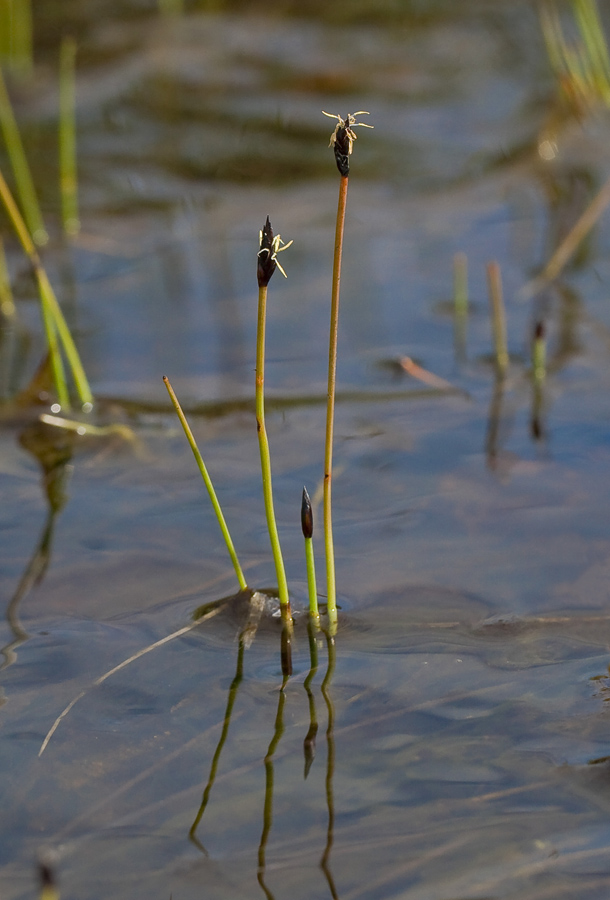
{"type": "Point", "coordinates": [498, 316]}
{"type": "Point", "coordinates": [331, 588]}
{"type": "Point", "coordinates": [342, 141]}
{"type": "Point", "coordinates": [21, 170]}
{"type": "Point", "coordinates": [68, 180]}
{"type": "Point", "coordinates": [270, 246]}
{"type": "Point", "coordinates": [208, 483]}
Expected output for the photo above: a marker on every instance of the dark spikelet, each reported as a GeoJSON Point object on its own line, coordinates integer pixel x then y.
{"type": "Point", "coordinates": [266, 265]}
{"type": "Point", "coordinates": [539, 331]}
{"type": "Point", "coordinates": [342, 147]}
{"type": "Point", "coordinates": [306, 515]}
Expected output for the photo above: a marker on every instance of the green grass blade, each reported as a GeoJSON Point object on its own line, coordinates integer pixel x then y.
{"type": "Point", "coordinates": [208, 483]}
{"type": "Point", "coordinates": [68, 180]}
{"type": "Point", "coordinates": [21, 170]}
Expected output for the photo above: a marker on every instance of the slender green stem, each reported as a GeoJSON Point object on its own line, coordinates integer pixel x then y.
{"type": "Point", "coordinates": [16, 36]}
{"type": "Point", "coordinates": [307, 528]}
{"type": "Point", "coordinates": [263, 443]}
{"type": "Point", "coordinates": [46, 294]}
{"type": "Point", "coordinates": [7, 303]}
{"type": "Point", "coordinates": [498, 316]}
{"type": "Point", "coordinates": [208, 483]}
{"type": "Point", "coordinates": [20, 167]}
{"type": "Point", "coordinates": [67, 137]}
{"type": "Point", "coordinates": [311, 582]}
{"type": "Point", "coordinates": [330, 409]}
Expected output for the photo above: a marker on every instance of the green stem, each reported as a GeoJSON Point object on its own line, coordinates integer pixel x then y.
{"type": "Point", "coordinates": [311, 582]}
{"type": "Point", "coordinates": [330, 409]}
{"type": "Point", "coordinates": [263, 443]}
{"type": "Point", "coordinates": [208, 483]}
{"type": "Point", "coordinates": [20, 167]}
{"type": "Point", "coordinates": [67, 137]}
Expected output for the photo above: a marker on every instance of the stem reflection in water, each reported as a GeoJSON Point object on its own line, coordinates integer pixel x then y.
{"type": "Point", "coordinates": [268, 808]}
{"type": "Point", "coordinates": [330, 764]}
{"type": "Point", "coordinates": [309, 744]}
{"type": "Point", "coordinates": [239, 674]}
{"type": "Point", "coordinates": [53, 451]}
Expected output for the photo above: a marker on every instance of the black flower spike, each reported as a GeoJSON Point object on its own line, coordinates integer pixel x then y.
{"type": "Point", "coordinates": [267, 262]}
{"type": "Point", "coordinates": [343, 137]}
{"type": "Point", "coordinates": [306, 515]}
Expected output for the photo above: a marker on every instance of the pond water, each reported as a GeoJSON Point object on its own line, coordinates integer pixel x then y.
{"type": "Point", "coordinates": [462, 746]}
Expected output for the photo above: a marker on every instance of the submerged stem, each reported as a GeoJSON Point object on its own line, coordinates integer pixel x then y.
{"type": "Point", "coordinates": [330, 409]}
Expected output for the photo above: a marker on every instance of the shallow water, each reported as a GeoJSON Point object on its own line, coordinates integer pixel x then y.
{"type": "Point", "coordinates": [467, 750]}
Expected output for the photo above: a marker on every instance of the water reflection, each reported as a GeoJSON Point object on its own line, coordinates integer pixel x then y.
{"type": "Point", "coordinates": [245, 638]}
{"type": "Point", "coordinates": [53, 449]}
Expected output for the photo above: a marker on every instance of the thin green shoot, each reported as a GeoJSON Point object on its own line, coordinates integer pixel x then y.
{"type": "Point", "coordinates": [582, 66]}
{"type": "Point", "coordinates": [16, 43]}
{"type": "Point", "coordinates": [21, 170]}
{"type": "Point", "coordinates": [498, 316]}
{"type": "Point", "coordinates": [307, 527]}
{"type": "Point", "coordinates": [209, 486]}
{"type": "Point", "coordinates": [67, 138]}
{"type": "Point", "coordinates": [53, 318]}
{"type": "Point", "coordinates": [7, 303]}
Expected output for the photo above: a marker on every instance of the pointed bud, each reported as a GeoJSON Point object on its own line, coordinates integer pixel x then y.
{"type": "Point", "coordinates": [266, 263]}
{"type": "Point", "coordinates": [306, 515]}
